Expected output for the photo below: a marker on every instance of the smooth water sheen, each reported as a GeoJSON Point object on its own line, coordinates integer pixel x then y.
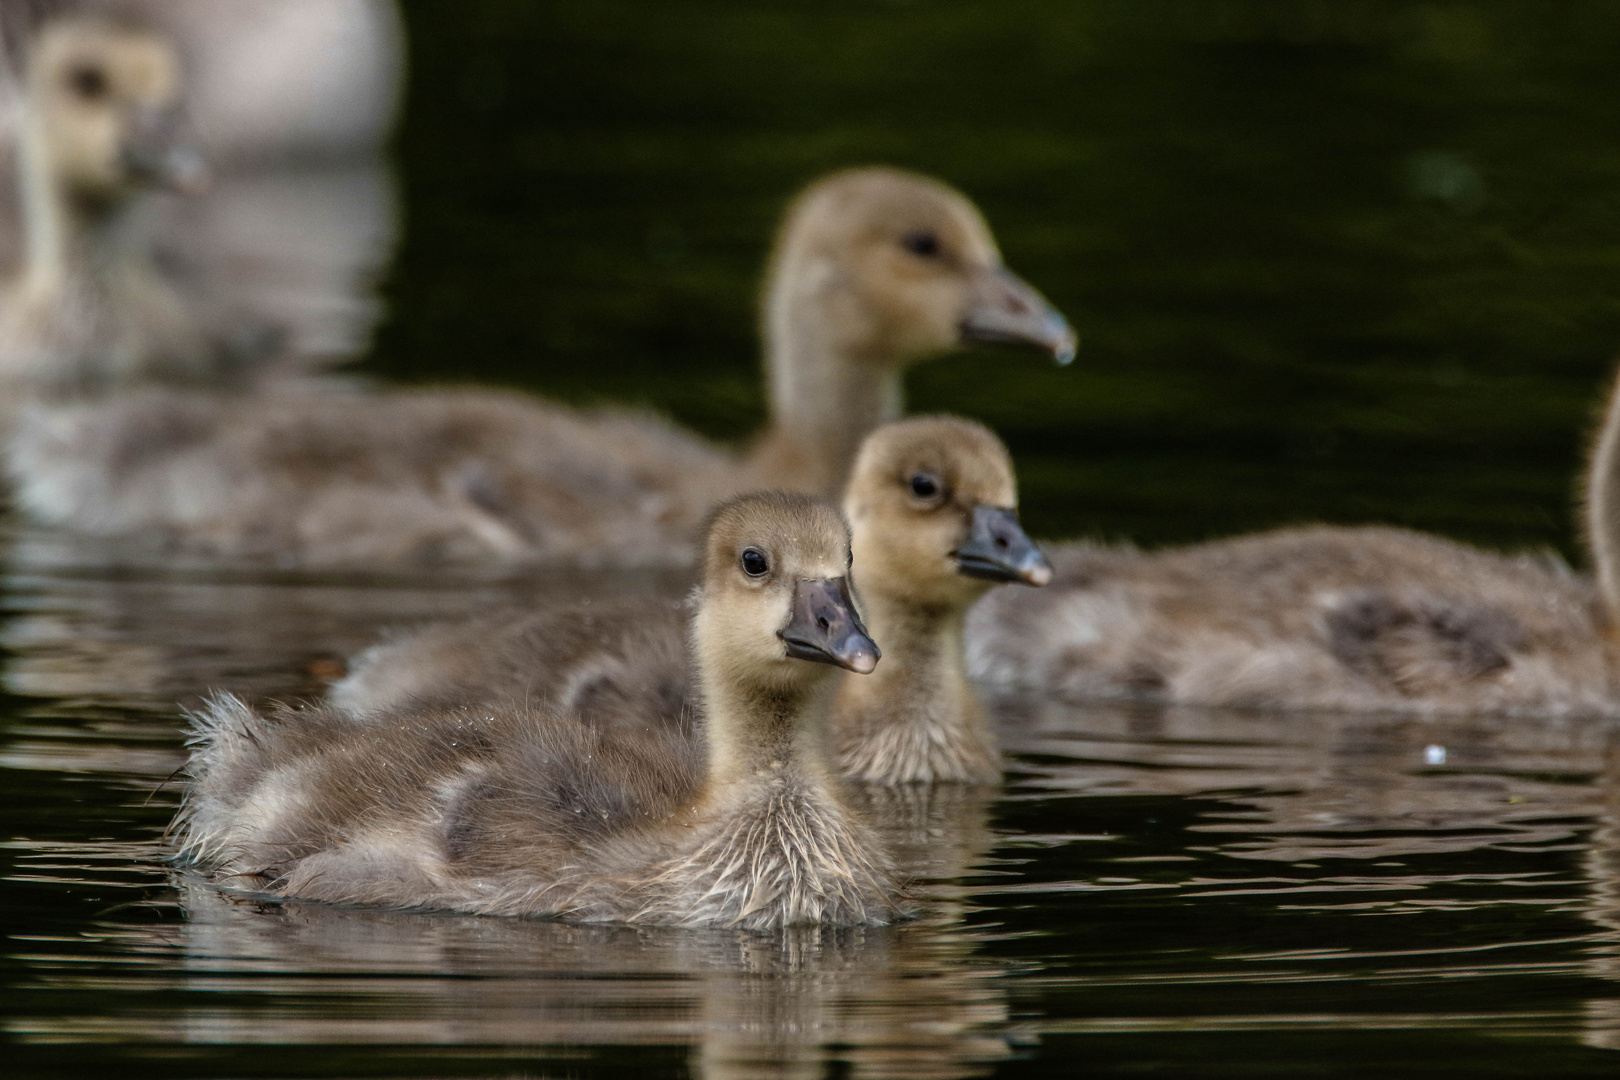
{"type": "Point", "coordinates": [1162, 891]}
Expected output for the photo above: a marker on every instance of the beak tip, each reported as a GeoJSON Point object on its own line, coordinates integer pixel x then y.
{"type": "Point", "coordinates": [1039, 575]}
{"type": "Point", "coordinates": [1063, 351]}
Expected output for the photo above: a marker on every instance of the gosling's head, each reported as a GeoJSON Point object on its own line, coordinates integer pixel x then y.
{"type": "Point", "coordinates": [933, 506]}
{"type": "Point", "coordinates": [776, 593]}
{"type": "Point", "coordinates": [104, 101]}
{"type": "Point", "coordinates": [897, 267]}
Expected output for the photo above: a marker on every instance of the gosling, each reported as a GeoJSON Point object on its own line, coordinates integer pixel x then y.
{"type": "Point", "coordinates": [100, 134]}
{"type": "Point", "coordinates": [933, 507]}
{"type": "Point", "coordinates": [1327, 618]}
{"type": "Point", "coordinates": [517, 810]}
{"type": "Point", "coordinates": [874, 269]}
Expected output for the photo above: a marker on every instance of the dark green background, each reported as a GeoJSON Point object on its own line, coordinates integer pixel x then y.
{"type": "Point", "coordinates": [1330, 260]}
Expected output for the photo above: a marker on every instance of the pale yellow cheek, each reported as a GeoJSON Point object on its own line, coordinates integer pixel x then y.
{"type": "Point", "coordinates": [87, 150]}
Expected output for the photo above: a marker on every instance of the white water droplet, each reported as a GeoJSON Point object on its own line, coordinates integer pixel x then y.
{"type": "Point", "coordinates": [1434, 754]}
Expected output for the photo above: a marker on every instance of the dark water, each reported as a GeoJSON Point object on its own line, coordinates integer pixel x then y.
{"type": "Point", "coordinates": [1166, 892]}
{"type": "Point", "coordinates": [1330, 259]}
{"type": "Point", "coordinates": [1342, 260]}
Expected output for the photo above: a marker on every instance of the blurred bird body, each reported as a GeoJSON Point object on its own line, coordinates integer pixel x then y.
{"type": "Point", "coordinates": [874, 270]}
{"type": "Point", "coordinates": [1325, 618]}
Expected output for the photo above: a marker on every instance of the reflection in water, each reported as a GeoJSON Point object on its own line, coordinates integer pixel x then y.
{"type": "Point", "coordinates": [1602, 865]}
{"type": "Point", "coordinates": [908, 1001]}
{"type": "Point", "coordinates": [1160, 877]}
{"type": "Point", "coordinates": [1313, 786]}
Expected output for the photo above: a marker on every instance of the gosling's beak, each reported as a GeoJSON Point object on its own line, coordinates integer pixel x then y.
{"type": "Point", "coordinates": [826, 628]}
{"type": "Point", "coordinates": [156, 151]}
{"type": "Point", "coordinates": [997, 549]}
{"type": "Point", "coordinates": [1004, 308]}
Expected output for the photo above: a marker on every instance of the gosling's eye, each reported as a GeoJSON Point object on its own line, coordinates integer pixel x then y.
{"type": "Point", "coordinates": [754, 563]}
{"type": "Point", "coordinates": [88, 81]}
{"type": "Point", "coordinates": [925, 486]}
{"type": "Point", "coordinates": [924, 245]}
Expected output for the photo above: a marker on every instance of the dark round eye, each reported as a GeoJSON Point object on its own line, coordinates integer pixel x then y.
{"type": "Point", "coordinates": [922, 244]}
{"type": "Point", "coordinates": [88, 81]}
{"type": "Point", "coordinates": [754, 562]}
{"type": "Point", "coordinates": [925, 485]}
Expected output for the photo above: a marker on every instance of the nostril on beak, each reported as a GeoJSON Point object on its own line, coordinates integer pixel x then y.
{"type": "Point", "coordinates": [821, 621]}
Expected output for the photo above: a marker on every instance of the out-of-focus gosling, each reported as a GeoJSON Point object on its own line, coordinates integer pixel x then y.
{"type": "Point", "coordinates": [874, 270]}
{"type": "Point", "coordinates": [99, 131]}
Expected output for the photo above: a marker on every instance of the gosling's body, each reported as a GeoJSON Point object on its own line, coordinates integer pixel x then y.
{"type": "Point", "coordinates": [316, 477]}
{"type": "Point", "coordinates": [515, 810]}
{"type": "Point", "coordinates": [1327, 618]}
{"type": "Point", "coordinates": [601, 661]}
{"type": "Point", "coordinates": [1313, 618]}
{"type": "Point", "coordinates": [874, 270]}
{"type": "Point", "coordinates": [272, 80]}
{"type": "Point", "coordinates": [932, 505]}
{"type": "Point", "coordinates": [916, 719]}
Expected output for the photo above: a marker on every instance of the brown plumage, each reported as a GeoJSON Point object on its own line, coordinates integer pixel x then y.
{"type": "Point", "coordinates": [1324, 617]}
{"type": "Point", "coordinates": [874, 270]}
{"type": "Point", "coordinates": [932, 503]}
{"type": "Point", "coordinates": [515, 810]}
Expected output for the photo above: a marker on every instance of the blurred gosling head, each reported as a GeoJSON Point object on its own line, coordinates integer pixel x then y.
{"type": "Point", "coordinates": [896, 267]}
{"type": "Point", "coordinates": [104, 111]}
{"type": "Point", "coordinates": [873, 270]}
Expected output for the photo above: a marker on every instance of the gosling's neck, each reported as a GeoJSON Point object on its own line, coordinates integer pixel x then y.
{"type": "Point", "coordinates": [1603, 507]}
{"type": "Point", "coordinates": [827, 392]}
{"type": "Point", "coordinates": [758, 732]}
{"type": "Point", "coordinates": [72, 242]}
{"type": "Point", "coordinates": [916, 718]}
{"type": "Point", "coordinates": [777, 845]}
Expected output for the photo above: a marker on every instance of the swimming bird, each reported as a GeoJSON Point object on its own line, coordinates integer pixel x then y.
{"type": "Point", "coordinates": [874, 269]}
{"type": "Point", "coordinates": [99, 133]}
{"type": "Point", "coordinates": [933, 506]}
{"type": "Point", "coordinates": [932, 503]}
{"type": "Point", "coordinates": [1325, 618]}
{"type": "Point", "coordinates": [512, 810]}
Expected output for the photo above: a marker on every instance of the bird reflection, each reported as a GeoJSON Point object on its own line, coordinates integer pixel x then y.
{"type": "Point", "coordinates": [914, 1000]}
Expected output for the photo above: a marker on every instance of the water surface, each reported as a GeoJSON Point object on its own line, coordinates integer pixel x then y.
{"type": "Point", "coordinates": [1173, 890]}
